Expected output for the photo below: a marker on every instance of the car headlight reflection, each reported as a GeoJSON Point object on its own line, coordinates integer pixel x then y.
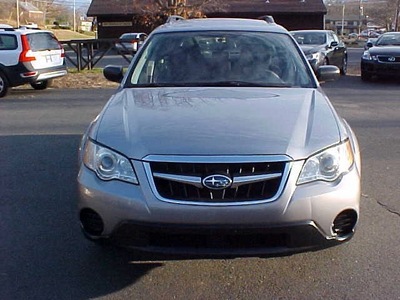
{"type": "Point", "coordinates": [327, 165]}
{"type": "Point", "coordinates": [108, 164]}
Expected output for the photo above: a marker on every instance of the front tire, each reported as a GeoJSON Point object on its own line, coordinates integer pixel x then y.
{"type": "Point", "coordinates": [343, 69]}
{"type": "Point", "coordinates": [3, 85]}
{"type": "Point", "coordinates": [40, 85]}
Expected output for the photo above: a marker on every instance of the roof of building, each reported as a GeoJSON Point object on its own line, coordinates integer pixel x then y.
{"type": "Point", "coordinates": [125, 7]}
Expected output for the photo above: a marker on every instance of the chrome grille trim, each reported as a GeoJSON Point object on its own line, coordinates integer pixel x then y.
{"type": "Point", "coordinates": [217, 159]}
{"type": "Point", "coordinates": [193, 180]}
{"type": "Point", "coordinates": [237, 180]}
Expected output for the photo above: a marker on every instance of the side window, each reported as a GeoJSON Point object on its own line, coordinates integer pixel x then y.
{"type": "Point", "coordinates": [8, 42]}
{"type": "Point", "coordinates": [335, 37]}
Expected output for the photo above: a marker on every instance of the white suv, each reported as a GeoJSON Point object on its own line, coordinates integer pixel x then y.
{"type": "Point", "coordinates": [29, 56]}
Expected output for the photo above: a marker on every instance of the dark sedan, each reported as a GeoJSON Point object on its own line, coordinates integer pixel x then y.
{"type": "Point", "coordinates": [382, 58]}
{"type": "Point", "coordinates": [322, 47]}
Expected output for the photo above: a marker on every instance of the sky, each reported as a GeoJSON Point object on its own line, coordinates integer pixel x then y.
{"type": "Point", "coordinates": [70, 3]}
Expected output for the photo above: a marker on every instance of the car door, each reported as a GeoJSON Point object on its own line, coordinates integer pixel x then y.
{"type": "Point", "coordinates": [338, 49]}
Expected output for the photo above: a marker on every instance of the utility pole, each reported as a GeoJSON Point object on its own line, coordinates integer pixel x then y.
{"type": "Point", "coordinates": [74, 21]}
{"type": "Point", "coordinates": [17, 13]}
{"type": "Point", "coordinates": [396, 17]}
{"type": "Point", "coordinates": [343, 8]}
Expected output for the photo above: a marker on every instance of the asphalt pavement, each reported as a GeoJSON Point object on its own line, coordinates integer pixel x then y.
{"type": "Point", "coordinates": [43, 254]}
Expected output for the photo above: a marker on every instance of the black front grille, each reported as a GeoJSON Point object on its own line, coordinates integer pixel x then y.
{"type": "Point", "coordinates": [252, 191]}
{"type": "Point", "coordinates": [389, 59]}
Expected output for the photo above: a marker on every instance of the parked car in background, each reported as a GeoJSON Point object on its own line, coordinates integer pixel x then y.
{"type": "Point", "coordinates": [322, 47]}
{"type": "Point", "coordinates": [29, 56]}
{"type": "Point", "coordinates": [219, 140]}
{"type": "Point", "coordinates": [353, 36]}
{"type": "Point", "coordinates": [382, 58]}
{"type": "Point", "coordinates": [130, 42]}
{"type": "Point", "coordinates": [370, 33]}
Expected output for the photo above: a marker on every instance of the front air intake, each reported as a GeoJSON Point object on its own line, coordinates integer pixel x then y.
{"type": "Point", "coordinates": [344, 223]}
{"type": "Point", "coordinates": [91, 221]}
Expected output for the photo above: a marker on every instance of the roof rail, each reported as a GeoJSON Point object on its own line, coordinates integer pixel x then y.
{"type": "Point", "coordinates": [174, 18]}
{"type": "Point", "coordinates": [5, 27]}
{"type": "Point", "coordinates": [267, 18]}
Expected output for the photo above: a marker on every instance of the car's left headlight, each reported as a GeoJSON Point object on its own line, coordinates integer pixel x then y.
{"type": "Point", "coordinates": [316, 55]}
{"type": "Point", "coordinates": [108, 164]}
{"type": "Point", "coordinates": [327, 165]}
{"type": "Point", "coordinates": [367, 56]}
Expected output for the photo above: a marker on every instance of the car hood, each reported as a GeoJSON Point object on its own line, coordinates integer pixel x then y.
{"type": "Point", "coordinates": [217, 121]}
{"type": "Point", "coordinates": [386, 50]}
{"type": "Point", "coordinates": [312, 48]}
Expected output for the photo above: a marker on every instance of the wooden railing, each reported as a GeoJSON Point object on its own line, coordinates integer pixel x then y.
{"type": "Point", "coordinates": [85, 54]}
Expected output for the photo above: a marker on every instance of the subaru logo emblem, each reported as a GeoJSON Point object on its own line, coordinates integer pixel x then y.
{"type": "Point", "coordinates": [217, 182]}
{"type": "Point", "coordinates": [392, 58]}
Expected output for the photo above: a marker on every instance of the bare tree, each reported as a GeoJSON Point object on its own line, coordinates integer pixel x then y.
{"type": "Point", "coordinates": [151, 13]}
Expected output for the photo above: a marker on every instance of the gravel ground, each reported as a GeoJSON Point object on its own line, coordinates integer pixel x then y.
{"type": "Point", "coordinates": [83, 80]}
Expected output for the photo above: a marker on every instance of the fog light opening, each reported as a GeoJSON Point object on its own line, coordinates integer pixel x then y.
{"type": "Point", "coordinates": [91, 221]}
{"type": "Point", "coordinates": [344, 224]}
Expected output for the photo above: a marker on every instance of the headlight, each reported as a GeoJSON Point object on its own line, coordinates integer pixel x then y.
{"type": "Point", "coordinates": [327, 165]}
{"type": "Point", "coordinates": [108, 164]}
{"type": "Point", "coordinates": [367, 56]}
{"type": "Point", "coordinates": [316, 55]}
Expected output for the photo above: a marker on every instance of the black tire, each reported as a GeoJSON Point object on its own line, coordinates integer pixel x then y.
{"type": "Point", "coordinates": [3, 85]}
{"type": "Point", "coordinates": [41, 85]}
{"type": "Point", "coordinates": [343, 69]}
{"type": "Point", "coordinates": [365, 76]}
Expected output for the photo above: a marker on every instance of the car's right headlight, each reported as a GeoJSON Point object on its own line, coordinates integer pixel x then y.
{"type": "Point", "coordinates": [327, 165]}
{"type": "Point", "coordinates": [108, 164]}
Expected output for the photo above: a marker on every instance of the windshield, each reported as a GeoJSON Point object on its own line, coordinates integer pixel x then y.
{"type": "Point", "coordinates": [310, 38]}
{"type": "Point", "coordinates": [220, 59]}
{"type": "Point", "coordinates": [389, 39]}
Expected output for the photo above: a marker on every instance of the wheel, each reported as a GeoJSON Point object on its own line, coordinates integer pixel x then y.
{"type": "Point", "coordinates": [3, 85]}
{"type": "Point", "coordinates": [40, 85]}
{"type": "Point", "coordinates": [343, 69]}
{"type": "Point", "coordinates": [365, 76]}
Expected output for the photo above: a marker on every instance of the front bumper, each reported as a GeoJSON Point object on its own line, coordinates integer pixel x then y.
{"type": "Point", "coordinates": [374, 67]}
{"type": "Point", "coordinates": [300, 219]}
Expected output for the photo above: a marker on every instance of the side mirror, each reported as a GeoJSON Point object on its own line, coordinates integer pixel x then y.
{"type": "Point", "coordinates": [328, 73]}
{"type": "Point", "coordinates": [114, 73]}
{"type": "Point", "coordinates": [334, 44]}
{"type": "Point", "coordinates": [370, 44]}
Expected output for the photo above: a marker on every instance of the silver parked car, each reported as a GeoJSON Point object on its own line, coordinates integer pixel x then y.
{"type": "Point", "coordinates": [130, 42]}
{"type": "Point", "coordinates": [219, 140]}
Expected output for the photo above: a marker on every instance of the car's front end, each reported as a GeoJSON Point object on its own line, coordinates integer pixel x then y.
{"type": "Point", "coordinates": [215, 162]}
{"type": "Point", "coordinates": [383, 58]}
{"type": "Point", "coordinates": [230, 187]}
{"type": "Point", "coordinates": [381, 61]}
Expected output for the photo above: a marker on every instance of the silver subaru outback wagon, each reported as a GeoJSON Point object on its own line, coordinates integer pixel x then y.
{"type": "Point", "coordinates": [219, 140]}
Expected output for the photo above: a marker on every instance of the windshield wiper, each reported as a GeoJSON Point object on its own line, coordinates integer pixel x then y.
{"type": "Point", "coordinates": [244, 84]}
{"type": "Point", "coordinates": [229, 83]}
{"type": "Point", "coordinates": [160, 84]}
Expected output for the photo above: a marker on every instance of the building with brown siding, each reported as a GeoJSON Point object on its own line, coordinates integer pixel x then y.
{"type": "Point", "coordinates": [115, 17]}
